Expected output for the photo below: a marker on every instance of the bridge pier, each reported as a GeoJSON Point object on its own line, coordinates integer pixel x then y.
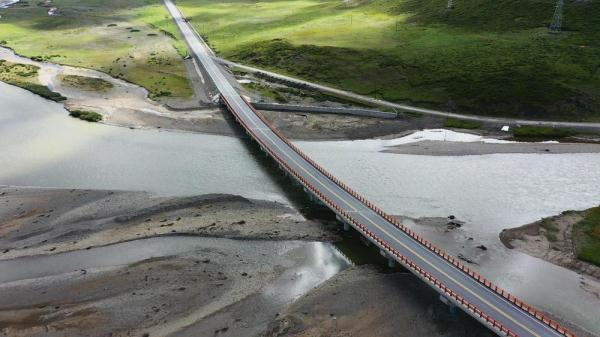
{"type": "Point", "coordinates": [391, 263]}
{"type": "Point", "coordinates": [447, 302]}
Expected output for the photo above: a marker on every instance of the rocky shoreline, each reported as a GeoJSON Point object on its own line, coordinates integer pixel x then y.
{"type": "Point", "coordinates": [551, 239]}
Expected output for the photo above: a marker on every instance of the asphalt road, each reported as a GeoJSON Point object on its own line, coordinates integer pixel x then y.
{"type": "Point", "coordinates": [491, 303]}
{"type": "Point", "coordinates": [409, 108]}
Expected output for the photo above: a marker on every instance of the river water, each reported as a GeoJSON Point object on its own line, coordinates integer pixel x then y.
{"type": "Point", "coordinates": [41, 146]}
{"type": "Point", "coordinates": [6, 3]}
{"type": "Point", "coordinates": [489, 193]}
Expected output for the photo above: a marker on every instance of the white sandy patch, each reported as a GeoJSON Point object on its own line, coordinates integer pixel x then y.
{"type": "Point", "coordinates": [438, 135]}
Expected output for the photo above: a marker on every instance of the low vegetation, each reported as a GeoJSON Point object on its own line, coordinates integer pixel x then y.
{"type": "Point", "coordinates": [25, 76]}
{"type": "Point", "coordinates": [109, 36]}
{"type": "Point", "coordinates": [88, 116]}
{"type": "Point", "coordinates": [86, 83]}
{"type": "Point", "coordinates": [266, 92]}
{"type": "Point", "coordinates": [482, 57]}
{"type": "Point", "coordinates": [551, 229]}
{"type": "Point", "coordinates": [541, 132]}
{"type": "Point", "coordinates": [588, 234]}
{"type": "Point", "coordinates": [462, 124]}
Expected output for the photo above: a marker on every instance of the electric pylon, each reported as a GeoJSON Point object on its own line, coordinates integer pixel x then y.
{"type": "Point", "coordinates": [556, 25]}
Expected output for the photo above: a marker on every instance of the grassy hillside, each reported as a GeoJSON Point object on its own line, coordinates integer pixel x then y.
{"type": "Point", "coordinates": [134, 40]}
{"type": "Point", "coordinates": [588, 234]}
{"type": "Point", "coordinates": [484, 57]}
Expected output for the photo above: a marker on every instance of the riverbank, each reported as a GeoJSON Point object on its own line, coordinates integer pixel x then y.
{"type": "Point", "coordinates": [125, 104]}
{"type": "Point", "coordinates": [92, 262]}
{"type": "Point", "coordinates": [448, 148]}
{"type": "Point", "coordinates": [73, 258]}
{"type": "Point", "coordinates": [137, 43]}
{"type": "Point", "coordinates": [557, 239]}
{"type": "Point", "coordinates": [49, 221]}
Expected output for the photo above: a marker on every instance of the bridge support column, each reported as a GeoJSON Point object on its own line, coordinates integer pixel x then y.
{"type": "Point", "coordinates": [447, 302]}
{"type": "Point", "coordinates": [346, 226]}
{"type": "Point", "coordinates": [390, 261]}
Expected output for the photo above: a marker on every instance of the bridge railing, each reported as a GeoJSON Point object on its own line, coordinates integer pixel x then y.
{"type": "Point", "coordinates": [488, 284]}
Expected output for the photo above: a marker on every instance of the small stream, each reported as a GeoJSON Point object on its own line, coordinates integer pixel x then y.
{"type": "Point", "coordinates": [313, 262]}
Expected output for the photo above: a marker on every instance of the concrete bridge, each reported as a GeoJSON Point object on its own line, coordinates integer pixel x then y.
{"type": "Point", "coordinates": [459, 286]}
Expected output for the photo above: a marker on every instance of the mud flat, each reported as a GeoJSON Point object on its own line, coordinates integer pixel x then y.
{"type": "Point", "coordinates": [552, 239]}
{"type": "Point", "coordinates": [48, 221]}
{"type": "Point", "coordinates": [394, 305]}
{"type": "Point", "coordinates": [118, 263]}
{"type": "Point", "coordinates": [99, 263]}
{"type": "Point", "coordinates": [440, 148]}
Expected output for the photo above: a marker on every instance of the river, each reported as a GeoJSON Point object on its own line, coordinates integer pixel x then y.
{"type": "Point", "coordinates": [6, 3]}
{"type": "Point", "coordinates": [42, 146]}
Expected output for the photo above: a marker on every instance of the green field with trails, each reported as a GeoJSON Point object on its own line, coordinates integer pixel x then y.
{"type": "Point", "coordinates": [483, 57]}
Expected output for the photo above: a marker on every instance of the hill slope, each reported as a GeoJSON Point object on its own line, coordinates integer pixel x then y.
{"type": "Point", "coordinates": [483, 57]}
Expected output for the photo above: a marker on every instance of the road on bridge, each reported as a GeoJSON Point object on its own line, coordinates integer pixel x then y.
{"type": "Point", "coordinates": [491, 305]}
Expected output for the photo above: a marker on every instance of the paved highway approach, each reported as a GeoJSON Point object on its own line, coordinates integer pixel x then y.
{"type": "Point", "coordinates": [491, 305]}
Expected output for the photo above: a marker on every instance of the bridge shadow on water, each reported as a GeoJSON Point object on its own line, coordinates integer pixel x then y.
{"type": "Point", "coordinates": [352, 244]}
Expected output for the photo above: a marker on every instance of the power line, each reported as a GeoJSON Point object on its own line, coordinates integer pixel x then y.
{"type": "Point", "coordinates": [556, 25]}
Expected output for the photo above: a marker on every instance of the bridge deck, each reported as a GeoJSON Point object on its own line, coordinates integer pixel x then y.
{"type": "Point", "coordinates": [502, 312]}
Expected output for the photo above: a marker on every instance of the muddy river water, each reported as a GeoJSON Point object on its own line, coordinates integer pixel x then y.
{"type": "Point", "coordinates": [41, 146]}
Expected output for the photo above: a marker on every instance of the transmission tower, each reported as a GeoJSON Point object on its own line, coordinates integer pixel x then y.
{"type": "Point", "coordinates": [556, 25]}
{"type": "Point", "coordinates": [450, 4]}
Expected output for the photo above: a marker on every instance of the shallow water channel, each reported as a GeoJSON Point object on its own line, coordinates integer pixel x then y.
{"type": "Point", "coordinates": [41, 146]}
{"type": "Point", "coordinates": [310, 262]}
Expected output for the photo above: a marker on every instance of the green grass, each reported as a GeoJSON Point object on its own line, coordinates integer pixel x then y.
{"type": "Point", "coordinates": [541, 132]}
{"type": "Point", "coordinates": [589, 230]}
{"type": "Point", "coordinates": [86, 83]}
{"type": "Point", "coordinates": [266, 92]}
{"type": "Point", "coordinates": [93, 34]}
{"type": "Point", "coordinates": [483, 57]}
{"type": "Point", "coordinates": [462, 124]}
{"type": "Point", "coordinates": [88, 116]}
{"type": "Point", "coordinates": [25, 76]}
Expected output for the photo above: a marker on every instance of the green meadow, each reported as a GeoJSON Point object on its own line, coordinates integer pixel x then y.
{"type": "Point", "coordinates": [134, 40]}
{"type": "Point", "coordinates": [483, 57]}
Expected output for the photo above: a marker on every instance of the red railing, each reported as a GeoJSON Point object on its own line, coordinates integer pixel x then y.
{"type": "Point", "coordinates": [408, 263]}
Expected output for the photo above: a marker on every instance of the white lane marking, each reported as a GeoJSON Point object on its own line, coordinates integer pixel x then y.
{"type": "Point", "coordinates": [198, 70]}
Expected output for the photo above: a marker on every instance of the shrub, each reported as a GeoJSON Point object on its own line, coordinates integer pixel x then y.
{"type": "Point", "coordinates": [88, 116]}
{"type": "Point", "coordinates": [462, 124]}
{"type": "Point", "coordinates": [541, 132]}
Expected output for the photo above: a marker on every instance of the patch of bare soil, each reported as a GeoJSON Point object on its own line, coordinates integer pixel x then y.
{"type": "Point", "coordinates": [141, 299]}
{"type": "Point", "coordinates": [311, 126]}
{"type": "Point", "coordinates": [361, 301]}
{"type": "Point", "coordinates": [551, 239]}
{"type": "Point", "coordinates": [47, 221]}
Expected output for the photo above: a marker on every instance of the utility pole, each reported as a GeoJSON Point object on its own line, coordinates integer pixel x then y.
{"type": "Point", "coordinates": [450, 4]}
{"type": "Point", "coordinates": [556, 25]}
